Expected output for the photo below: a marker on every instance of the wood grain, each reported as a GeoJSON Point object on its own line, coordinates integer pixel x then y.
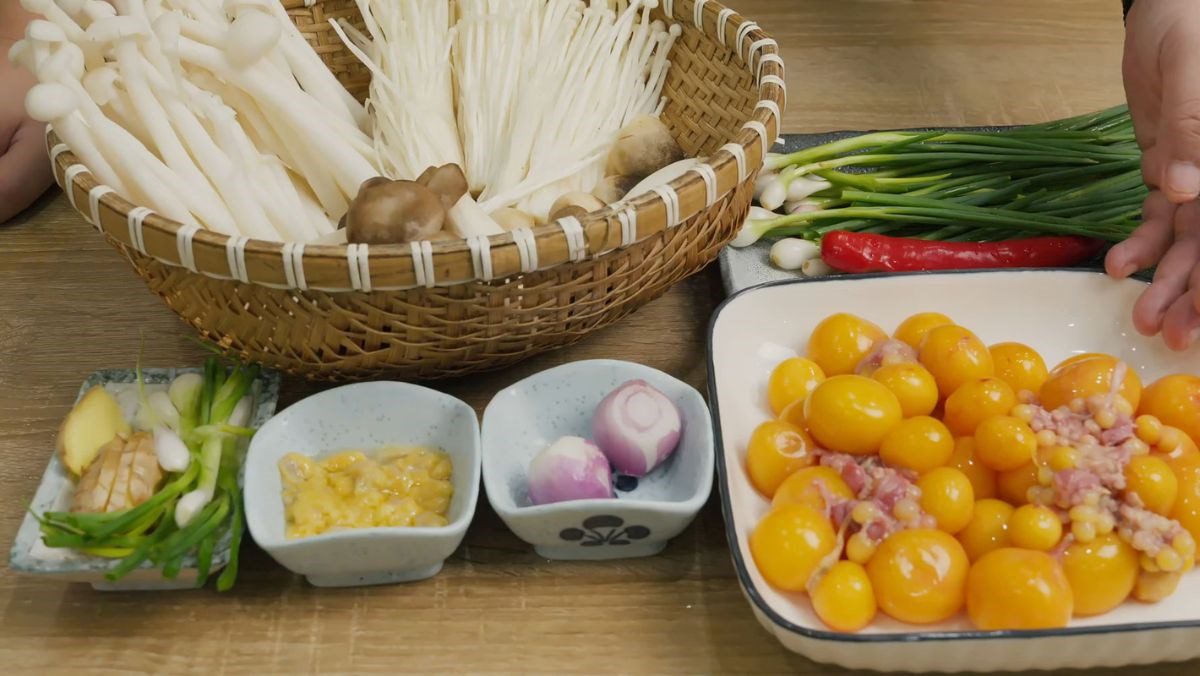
{"type": "Point", "coordinates": [69, 305]}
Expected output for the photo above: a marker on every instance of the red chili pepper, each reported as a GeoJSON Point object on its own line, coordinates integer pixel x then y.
{"type": "Point", "coordinates": [857, 252]}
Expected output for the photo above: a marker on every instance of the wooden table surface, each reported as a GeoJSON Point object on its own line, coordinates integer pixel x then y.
{"type": "Point", "coordinates": [69, 306]}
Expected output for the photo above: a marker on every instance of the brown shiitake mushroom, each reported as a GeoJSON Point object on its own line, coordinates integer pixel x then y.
{"type": "Point", "coordinates": [448, 181]}
{"type": "Point", "coordinates": [510, 219]}
{"type": "Point", "coordinates": [393, 212]}
{"type": "Point", "coordinates": [612, 189]}
{"type": "Point", "coordinates": [643, 146]}
{"type": "Point", "coordinates": [577, 204]}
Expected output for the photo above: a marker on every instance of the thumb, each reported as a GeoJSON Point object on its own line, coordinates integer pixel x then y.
{"type": "Point", "coordinates": [1179, 127]}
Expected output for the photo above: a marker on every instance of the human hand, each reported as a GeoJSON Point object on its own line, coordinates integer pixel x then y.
{"type": "Point", "coordinates": [1161, 70]}
{"type": "Point", "coordinates": [24, 168]}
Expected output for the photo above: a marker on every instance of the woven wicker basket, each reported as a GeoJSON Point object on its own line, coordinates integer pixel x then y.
{"type": "Point", "coordinates": [429, 311]}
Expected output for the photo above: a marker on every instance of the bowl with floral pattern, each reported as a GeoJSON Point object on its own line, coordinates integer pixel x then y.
{"type": "Point", "coordinates": [644, 513]}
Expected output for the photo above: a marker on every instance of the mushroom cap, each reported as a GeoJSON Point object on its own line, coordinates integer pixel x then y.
{"type": "Point", "coordinates": [66, 61]}
{"type": "Point", "coordinates": [101, 84]}
{"type": "Point", "coordinates": [73, 7]}
{"type": "Point", "coordinates": [36, 6]}
{"type": "Point", "coordinates": [98, 9]}
{"type": "Point", "coordinates": [509, 219]}
{"type": "Point", "coordinates": [48, 102]}
{"type": "Point", "coordinates": [643, 146]}
{"type": "Point", "coordinates": [576, 204]}
{"type": "Point", "coordinates": [393, 212]}
{"type": "Point", "coordinates": [21, 54]}
{"type": "Point", "coordinates": [40, 30]}
{"type": "Point", "coordinates": [250, 37]}
{"type": "Point", "coordinates": [448, 181]}
{"type": "Point", "coordinates": [612, 189]}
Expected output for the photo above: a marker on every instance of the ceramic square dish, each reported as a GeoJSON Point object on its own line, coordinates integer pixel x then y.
{"type": "Point", "coordinates": [1060, 313]}
{"type": "Point", "coordinates": [30, 556]}
{"type": "Point", "coordinates": [528, 416]}
{"type": "Point", "coordinates": [364, 416]}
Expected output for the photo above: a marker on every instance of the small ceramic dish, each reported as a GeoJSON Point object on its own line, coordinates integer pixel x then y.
{"type": "Point", "coordinates": [526, 417]}
{"type": "Point", "coordinates": [30, 556]}
{"type": "Point", "coordinates": [1059, 313]}
{"type": "Point", "coordinates": [364, 416]}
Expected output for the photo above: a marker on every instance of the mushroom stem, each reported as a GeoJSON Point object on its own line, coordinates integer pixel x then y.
{"type": "Point", "coordinates": [204, 201]}
{"type": "Point", "coordinates": [289, 108]}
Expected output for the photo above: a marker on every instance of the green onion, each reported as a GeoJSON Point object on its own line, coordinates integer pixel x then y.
{"type": "Point", "coordinates": [1078, 176]}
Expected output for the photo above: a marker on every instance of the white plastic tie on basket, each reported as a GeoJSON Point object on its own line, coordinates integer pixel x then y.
{"type": "Point", "coordinates": [756, 48]}
{"type": "Point", "coordinates": [364, 267]}
{"type": "Point", "coordinates": [137, 217]}
{"type": "Point", "coordinates": [772, 108]}
{"type": "Point", "coordinates": [699, 13]}
{"type": "Point", "coordinates": [760, 129]}
{"type": "Point", "coordinates": [418, 266]}
{"type": "Point", "coordinates": [427, 263]}
{"type": "Point", "coordinates": [183, 244]}
{"type": "Point", "coordinates": [628, 220]}
{"type": "Point", "coordinates": [526, 248]}
{"type": "Point", "coordinates": [722, 23]}
{"type": "Point", "coordinates": [94, 196]}
{"type": "Point", "coordinates": [671, 199]}
{"type": "Point", "coordinates": [235, 254]}
{"type": "Point", "coordinates": [709, 175]}
{"type": "Point", "coordinates": [576, 244]}
{"type": "Point", "coordinates": [298, 266]}
{"type": "Point", "coordinates": [739, 154]}
{"type": "Point", "coordinates": [768, 58]}
{"type": "Point", "coordinates": [778, 82]}
{"type": "Point", "coordinates": [355, 254]}
{"type": "Point", "coordinates": [743, 34]}
{"type": "Point", "coordinates": [58, 149]}
{"type": "Point", "coordinates": [289, 273]}
{"type": "Point", "coordinates": [69, 177]}
{"type": "Point", "coordinates": [481, 256]}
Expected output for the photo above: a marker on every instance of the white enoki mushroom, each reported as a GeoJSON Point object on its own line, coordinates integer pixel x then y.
{"type": "Point", "coordinates": [123, 33]}
{"type": "Point", "coordinates": [291, 108]}
{"type": "Point", "coordinates": [312, 73]}
{"type": "Point", "coordinates": [412, 94]}
{"type": "Point", "coordinates": [558, 98]}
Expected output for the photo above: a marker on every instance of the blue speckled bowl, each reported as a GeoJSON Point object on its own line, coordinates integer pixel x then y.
{"type": "Point", "coordinates": [364, 416]}
{"type": "Point", "coordinates": [30, 556]}
{"type": "Point", "coordinates": [526, 417]}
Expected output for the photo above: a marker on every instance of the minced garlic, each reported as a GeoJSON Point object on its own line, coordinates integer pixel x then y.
{"type": "Point", "coordinates": [393, 486]}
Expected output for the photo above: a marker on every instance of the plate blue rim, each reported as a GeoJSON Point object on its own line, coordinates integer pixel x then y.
{"type": "Point", "coordinates": [740, 564]}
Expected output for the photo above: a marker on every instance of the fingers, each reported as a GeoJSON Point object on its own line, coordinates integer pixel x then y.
{"type": "Point", "coordinates": [1173, 274]}
{"type": "Point", "coordinates": [1179, 128]}
{"type": "Point", "coordinates": [1149, 243]}
{"type": "Point", "coordinates": [1144, 104]}
{"type": "Point", "coordinates": [24, 170]}
{"type": "Point", "coordinates": [1181, 323]}
{"type": "Point", "coordinates": [1194, 287]}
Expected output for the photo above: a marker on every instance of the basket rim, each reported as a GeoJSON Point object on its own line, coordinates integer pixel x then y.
{"type": "Point", "coordinates": [347, 267]}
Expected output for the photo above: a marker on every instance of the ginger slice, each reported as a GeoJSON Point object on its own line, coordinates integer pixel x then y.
{"type": "Point", "coordinates": [123, 476]}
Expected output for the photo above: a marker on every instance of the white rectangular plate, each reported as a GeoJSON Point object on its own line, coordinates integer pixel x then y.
{"type": "Point", "coordinates": [1058, 312]}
